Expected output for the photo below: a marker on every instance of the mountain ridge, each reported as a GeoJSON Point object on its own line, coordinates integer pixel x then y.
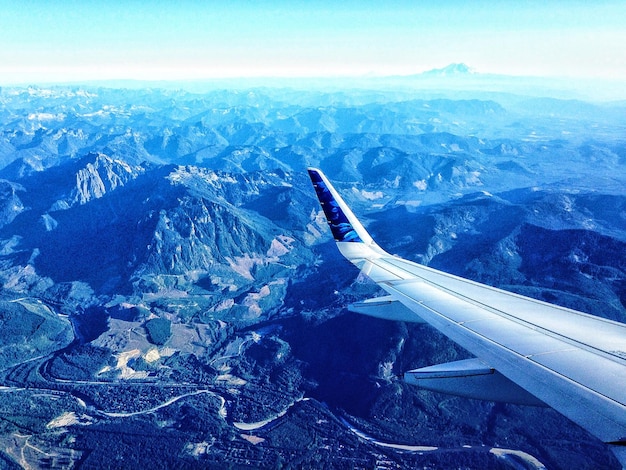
{"type": "Point", "coordinates": [194, 291]}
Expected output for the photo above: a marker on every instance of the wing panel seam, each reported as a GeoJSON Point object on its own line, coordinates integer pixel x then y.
{"type": "Point", "coordinates": [508, 316]}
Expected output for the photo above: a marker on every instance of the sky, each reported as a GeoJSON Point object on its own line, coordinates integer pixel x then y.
{"type": "Point", "coordinates": [67, 40]}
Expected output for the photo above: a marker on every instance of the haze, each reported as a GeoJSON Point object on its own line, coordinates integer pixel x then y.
{"type": "Point", "coordinates": [42, 42]}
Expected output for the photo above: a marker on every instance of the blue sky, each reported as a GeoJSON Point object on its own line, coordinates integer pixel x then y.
{"type": "Point", "coordinates": [65, 40]}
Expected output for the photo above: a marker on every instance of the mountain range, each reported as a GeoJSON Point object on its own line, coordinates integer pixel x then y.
{"type": "Point", "coordinates": [167, 274]}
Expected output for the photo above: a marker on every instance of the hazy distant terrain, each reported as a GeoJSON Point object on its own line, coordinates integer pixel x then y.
{"type": "Point", "coordinates": [171, 296]}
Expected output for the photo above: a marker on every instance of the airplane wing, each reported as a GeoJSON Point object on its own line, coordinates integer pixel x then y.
{"type": "Point", "coordinates": [527, 351]}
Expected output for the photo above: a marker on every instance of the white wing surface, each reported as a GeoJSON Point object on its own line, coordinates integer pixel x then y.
{"type": "Point", "coordinates": [527, 351]}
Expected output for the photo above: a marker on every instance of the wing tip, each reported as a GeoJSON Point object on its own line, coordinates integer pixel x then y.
{"type": "Point", "coordinates": [315, 174]}
{"type": "Point", "coordinates": [342, 223]}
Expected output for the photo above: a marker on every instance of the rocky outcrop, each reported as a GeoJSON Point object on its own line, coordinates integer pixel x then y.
{"type": "Point", "coordinates": [10, 203]}
{"type": "Point", "coordinates": [99, 175]}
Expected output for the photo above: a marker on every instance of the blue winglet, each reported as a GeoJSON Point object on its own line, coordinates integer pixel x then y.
{"type": "Point", "coordinates": [340, 226]}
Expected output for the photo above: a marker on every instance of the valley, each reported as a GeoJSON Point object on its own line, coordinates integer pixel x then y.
{"type": "Point", "coordinates": [171, 296]}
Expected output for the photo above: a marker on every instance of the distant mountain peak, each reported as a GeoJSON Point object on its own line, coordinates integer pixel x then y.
{"type": "Point", "coordinates": [451, 70]}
